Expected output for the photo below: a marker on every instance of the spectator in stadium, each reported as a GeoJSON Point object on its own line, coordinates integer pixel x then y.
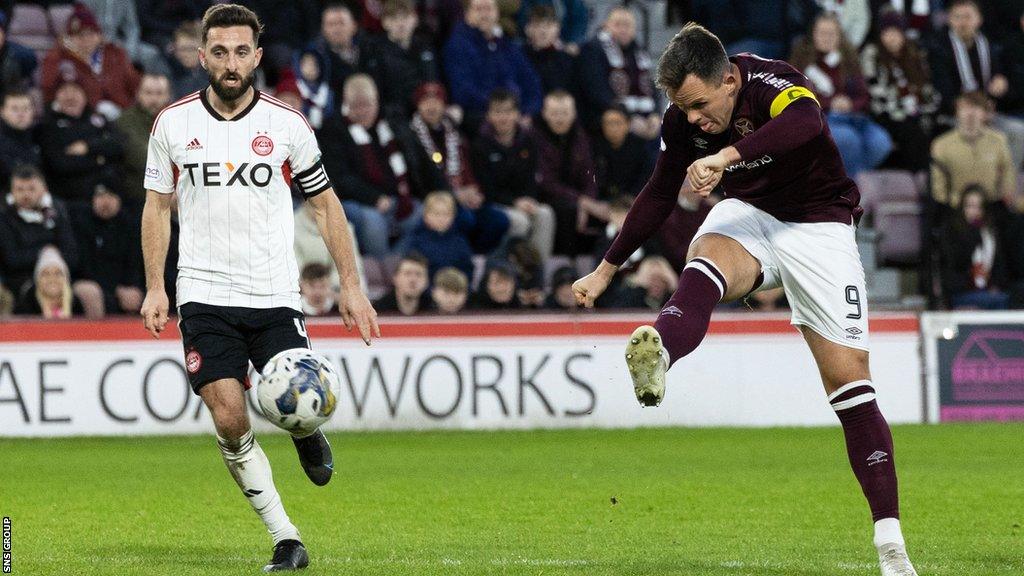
{"type": "Point", "coordinates": [854, 17]}
{"type": "Point", "coordinates": [437, 18]}
{"type": "Point", "coordinates": [650, 287]}
{"type": "Point", "coordinates": [614, 70]}
{"type": "Point", "coordinates": [290, 25]}
{"type": "Point", "coordinates": [973, 153]}
{"type": "Point", "coordinates": [763, 27]}
{"type": "Point", "coordinates": [378, 168]}
{"type": "Point", "coordinates": [159, 19]}
{"type": "Point", "coordinates": [313, 86]}
{"type": "Point", "coordinates": [18, 137]}
{"type": "Point", "coordinates": [134, 126]}
{"type": "Point", "coordinates": [972, 256]}
{"type": "Point", "coordinates": [408, 295]}
{"type": "Point", "coordinates": [438, 238]}
{"type": "Point", "coordinates": [316, 293]}
{"type": "Point", "coordinates": [1013, 65]}
{"type": "Point", "coordinates": [101, 68]}
{"type": "Point", "coordinates": [50, 295]}
{"type": "Point", "coordinates": [287, 90]}
{"type": "Point", "coordinates": [565, 176]}
{"type": "Point", "coordinates": [529, 273]}
{"type": "Point", "coordinates": [969, 62]}
{"type": "Point", "coordinates": [31, 219]}
{"type": "Point", "coordinates": [408, 56]}
{"type": "Point", "coordinates": [917, 14]}
{"type": "Point", "coordinates": [79, 148]}
{"type": "Point", "coordinates": [903, 99]}
{"type": "Point", "coordinates": [622, 163]}
{"type": "Point", "coordinates": [17, 63]}
{"type": "Point", "coordinates": [505, 160]}
{"type": "Point", "coordinates": [561, 296]}
{"type": "Point", "coordinates": [108, 241]}
{"type": "Point", "coordinates": [551, 59]}
{"type": "Point", "coordinates": [478, 59]}
{"type": "Point", "coordinates": [450, 291]}
{"type": "Point", "coordinates": [830, 63]}
{"type": "Point", "coordinates": [618, 208]}
{"type": "Point", "coordinates": [571, 16]}
{"type": "Point", "coordinates": [497, 289]}
{"type": "Point", "coordinates": [484, 223]}
{"type": "Point", "coordinates": [346, 50]}
{"type": "Point", "coordinates": [310, 247]}
{"type": "Point", "coordinates": [187, 74]}
{"type": "Point", "coordinates": [120, 25]}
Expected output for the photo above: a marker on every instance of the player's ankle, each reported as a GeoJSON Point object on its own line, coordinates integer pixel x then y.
{"type": "Point", "coordinates": [888, 531]}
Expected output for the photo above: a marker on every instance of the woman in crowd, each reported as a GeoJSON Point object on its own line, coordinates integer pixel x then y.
{"type": "Point", "coordinates": [49, 295]}
{"type": "Point", "coordinates": [972, 257]}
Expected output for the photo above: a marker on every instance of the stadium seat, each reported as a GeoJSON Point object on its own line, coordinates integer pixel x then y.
{"type": "Point", "coordinates": [59, 16]}
{"type": "Point", "coordinates": [885, 185]}
{"type": "Point", "coordinates": [30, 27]}
{"type": "Point", "coordinates": [899, 224]}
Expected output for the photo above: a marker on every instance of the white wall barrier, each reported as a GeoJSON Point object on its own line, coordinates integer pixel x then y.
{"type": "Point", "coordinates": [109, 378]}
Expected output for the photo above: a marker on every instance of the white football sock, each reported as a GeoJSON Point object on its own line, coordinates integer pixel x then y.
{"type": "Point", "coordinates": [251, 470]}
{"type": "Point", "coordinates": [887, 531]}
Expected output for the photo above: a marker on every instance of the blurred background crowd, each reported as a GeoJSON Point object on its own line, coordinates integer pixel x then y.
{"type": "Point", "coordinates": [487, 151]}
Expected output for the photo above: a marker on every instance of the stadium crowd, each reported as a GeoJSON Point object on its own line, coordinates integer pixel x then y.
{"type": "Point", "coordinates": [487, 151]}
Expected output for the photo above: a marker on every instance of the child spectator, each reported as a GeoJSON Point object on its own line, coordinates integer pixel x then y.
{"type": "Point", "coordinates": [317, 296]}
{"type": "Point", "coordinates": [438, 239]}
{"type": "Point", "coordinates": [561, 297]}
{"type": "Point", "coordinates": [50, 294]}
{"type": "Point", "coordinates": [651, 286]}
{"type": "Point", "coordinates": [18, 138]}
{"type": "Point", "coordinates": [498, 288]}
{"type": "Point", "coordinates": [972, 255]}
{"type": "Point", "coordinates": [621, 159]}
{"type": "Point", "coordinates": [314, 86]}
{"type": "Point", "coordinates": [409, 294]}
{"type": "Point", "coordinates": [187, 75]}
{"type": "Point", "coordinates": [450, 291]}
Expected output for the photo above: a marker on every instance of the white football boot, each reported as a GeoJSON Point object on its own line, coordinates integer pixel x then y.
{"type": "Point", "coordinates": [647, 360]}
{"type": "Point", "coordinates": [893, 560]}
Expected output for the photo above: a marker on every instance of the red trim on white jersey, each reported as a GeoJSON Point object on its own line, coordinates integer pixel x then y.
{"type": "Point", "coordinates": [183, 100]}
{"type": "Point", "coordinates": [279, 104]}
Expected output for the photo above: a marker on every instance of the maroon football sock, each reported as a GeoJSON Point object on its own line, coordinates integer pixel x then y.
{"type": "Point", "coordinates": [869, 446]}
{"type": "Point", "coordinates": [684, 320]}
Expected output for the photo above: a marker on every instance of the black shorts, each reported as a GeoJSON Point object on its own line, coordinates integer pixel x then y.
{"type": "Point", "coordinates": [220, 341]}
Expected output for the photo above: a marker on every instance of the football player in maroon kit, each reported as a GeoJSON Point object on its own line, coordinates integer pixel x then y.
{"type": "Point", "coordinates": [753, 127]}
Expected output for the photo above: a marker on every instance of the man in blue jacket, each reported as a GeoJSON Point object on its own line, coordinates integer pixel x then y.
{"type": "Point", "coordinates": [478, 59]}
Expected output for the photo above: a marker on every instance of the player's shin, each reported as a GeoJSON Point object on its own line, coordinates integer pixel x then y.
{"type": "Point", "coordinates": [251, 470]}
{"type": "Point", "coordinates": [684, 320]}
{"type": "Point", "coordinates": [869, 446]}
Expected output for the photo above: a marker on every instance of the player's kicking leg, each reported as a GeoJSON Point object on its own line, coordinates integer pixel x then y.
{"type": "Point", "coordinates": [719, 269]}
{"type": "Point", "coordinates": [251, 470]}
{"type": "Point", "coordinates": [847, 380]}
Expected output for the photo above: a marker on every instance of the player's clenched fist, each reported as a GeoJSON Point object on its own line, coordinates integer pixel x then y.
{"type": "Point", "coordinates": [590, 287]}
{"type": "Point", "coordinates": [154, 312]}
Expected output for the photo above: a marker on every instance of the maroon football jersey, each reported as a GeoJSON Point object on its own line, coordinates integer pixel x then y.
{"type": "Point", "coordinates": [791, 169]}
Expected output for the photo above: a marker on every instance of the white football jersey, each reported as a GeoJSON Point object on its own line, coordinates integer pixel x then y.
{"type": "Point", "coordinates": [234, 199]}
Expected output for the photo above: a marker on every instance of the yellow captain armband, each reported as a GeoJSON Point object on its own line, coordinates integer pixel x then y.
{"type": "Point", "coordinates": [787, 97]}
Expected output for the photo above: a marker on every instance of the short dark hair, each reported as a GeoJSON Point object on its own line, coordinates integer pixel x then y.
{"type": "Point", "coordinates": [314, 271]}
{"type": "Point", "coordinates": [976, 98]}
{"type": "Point", "coordinates": [502, 96]}
{"type": "Point", "coordinates": [225, 15]}
{"type": "Point", "coordinates": [415, 258]}
{"type": "Point", "coordinates": [694, 50]}
{"type": "Point", "coordinates": [27, 172]}
{"type": "Point", "coordinates": [397, 7]}
{"type": "Point", "coordinates": [958, 3]}
{"type": "Point", "coordinates": [17, 92]}
{"type": "Point", "coordinates": [543, 13]}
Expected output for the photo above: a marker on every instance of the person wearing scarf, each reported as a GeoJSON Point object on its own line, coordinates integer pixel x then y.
{"type": "Point", "coordinates": [613, 70]}
{"type": "Point", "coordinates": [966, 61]}
{"type": "Point", "coordinates": [973, 260]}
{"type": "Point", "coordinates": [50, 294]}
{"type": "Point", "coordinates": [485, 224]}
{"type": "Point", "coordinates": [313, 84]}
{"type": "Point", "coordinates": [831, 64]}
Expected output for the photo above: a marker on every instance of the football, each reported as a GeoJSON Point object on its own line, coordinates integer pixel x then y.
{"type": "Point", "coordinates": [298, 390]}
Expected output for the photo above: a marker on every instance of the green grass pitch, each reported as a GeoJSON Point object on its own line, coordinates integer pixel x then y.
{"type": "Point", "coordinates": [729, 502]}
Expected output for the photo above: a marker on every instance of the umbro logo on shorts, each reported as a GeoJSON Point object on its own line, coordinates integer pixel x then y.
{"type": "Point", "coordinates": [194, 145]}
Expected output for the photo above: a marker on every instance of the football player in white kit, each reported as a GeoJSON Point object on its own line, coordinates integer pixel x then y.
{"type": "Point", "coordinates": [230, 153]}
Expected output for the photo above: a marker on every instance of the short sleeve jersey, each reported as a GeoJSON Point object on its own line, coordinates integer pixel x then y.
{"type": "Point", "coordinates": [233, 180]}
{"type": "Point", "coordinates": [807, 184]}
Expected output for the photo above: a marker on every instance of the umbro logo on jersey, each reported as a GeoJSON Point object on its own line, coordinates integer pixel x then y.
{"type": "Point", "coordinates": [194, 145]}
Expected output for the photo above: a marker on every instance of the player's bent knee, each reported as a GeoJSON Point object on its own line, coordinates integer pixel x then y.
{"type": "Point", "coordinates": [738, 266]}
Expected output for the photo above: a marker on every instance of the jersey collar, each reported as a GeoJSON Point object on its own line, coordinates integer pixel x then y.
{"type": "Point", "coordinates": [239, 116]}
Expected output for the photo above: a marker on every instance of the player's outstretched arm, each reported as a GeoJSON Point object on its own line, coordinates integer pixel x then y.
{"type": "Point", "coordinates": [156, 237]}
{"type": "Point", "coordinates": [356, 309]}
